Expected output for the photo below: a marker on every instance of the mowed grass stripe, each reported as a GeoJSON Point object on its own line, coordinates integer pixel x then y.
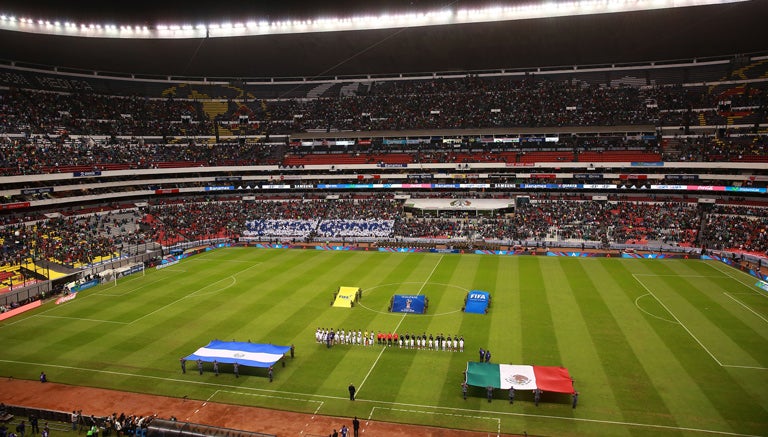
{"type": "Point", "coordinates": [394, 364]}
{"type": "Point", "coordinates": [626, 375]}
{"type": "Point", "coordinates": [577, 351]}
{"type": "Point", "coordinates": [486, 330]}
{"type": "Point", "coordinates": [537, 327]}
{"type": "Point", "coordinates": [696, 302]}
{"type": "Point", "coordinates": [151, 346]}
{"type": "Point", "coordinates": [482, 274]}
{"type": "Point", "coordinates": [724, 389]}
{"type": "Point", "coordinates": [188, 316]}
{"type": "Point", "coordinates": [657, 344]}
{"type": "Point", "coordinates": [352, 362]}
{"type": "Point", "coordinates": [433, 371]}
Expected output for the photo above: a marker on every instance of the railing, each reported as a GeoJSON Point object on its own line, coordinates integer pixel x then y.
{"type": "Point", "coordinates": [162, 428]}
{"type": "Point", "coordinates": [157, 427]}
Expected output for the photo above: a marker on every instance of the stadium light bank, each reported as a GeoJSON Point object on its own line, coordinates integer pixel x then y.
{"type": "Point", "coordinates": [252, 27]}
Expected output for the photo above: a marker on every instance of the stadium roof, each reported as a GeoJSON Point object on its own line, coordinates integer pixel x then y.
{"type": "Point", "coordinates": [669, 34]}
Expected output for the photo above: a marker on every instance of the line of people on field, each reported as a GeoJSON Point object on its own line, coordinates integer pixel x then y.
{"type": "Point", "coordinates": [331, 337]}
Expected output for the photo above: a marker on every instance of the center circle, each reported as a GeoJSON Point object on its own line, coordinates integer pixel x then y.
{"type": "Point", "coordinates": [422, 284]}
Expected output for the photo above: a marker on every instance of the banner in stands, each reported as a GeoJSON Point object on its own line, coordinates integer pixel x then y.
{"type": "Point", "coordinates": [24, 308]}
{"type": "Point", "coordinates": [66, 298]}
{"type": "Point", "coordinates": [246, 354]}
{"type": "Point", "coordinates": [403, 249]}
{"type": "Point", "coordinates": [167, 261]}
{"type": "Point", "coordinates": [407, 303]}
{"type": "Point", "coordinates": [81, 285]}
{"type": "Point", "coordinates": [129, 270]}
{"type": "Point", "coordinates": [519, 377]}
{"type": "Point", "coordinates": [15, 205]}
{"type": "Point", "coordinates": [574, 254]}
{"type": "Point", "coordinates": [27, 191]}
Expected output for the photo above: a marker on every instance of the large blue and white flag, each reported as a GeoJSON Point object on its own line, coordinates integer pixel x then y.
{"type": "Point", "coordinates": [246, 354]}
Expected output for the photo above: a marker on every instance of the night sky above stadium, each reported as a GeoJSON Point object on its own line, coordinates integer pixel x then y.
{"type": "Point", "coordinates": [600, 39]}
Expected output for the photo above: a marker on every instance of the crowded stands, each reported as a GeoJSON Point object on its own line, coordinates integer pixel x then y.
{"type": "Point", "coordinates": [637, 123]}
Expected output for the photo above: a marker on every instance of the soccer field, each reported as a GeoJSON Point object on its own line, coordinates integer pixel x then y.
{"type": "Point", "coordinates": [656, 347]}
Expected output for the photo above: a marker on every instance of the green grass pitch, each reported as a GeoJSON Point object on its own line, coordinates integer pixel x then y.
{"type": "Point", "coordinates": [656, 347]}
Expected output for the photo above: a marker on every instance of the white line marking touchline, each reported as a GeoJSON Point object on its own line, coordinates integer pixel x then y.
{"type": "Point", "coordinates": [495, 419]}
{"type": "Point", "coordinates": [399, 323]}
{"type": "Point", "coordinates": [400, 404]}
{"type": "Point", "coordinates": [745, 306]}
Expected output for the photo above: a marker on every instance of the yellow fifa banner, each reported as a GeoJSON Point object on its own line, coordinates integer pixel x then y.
{"type": "Point", "coordinates": [345, 297]}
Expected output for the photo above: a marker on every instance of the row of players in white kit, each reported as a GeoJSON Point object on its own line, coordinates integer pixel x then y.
{"type": "Point", "coordinates": [342, 337]}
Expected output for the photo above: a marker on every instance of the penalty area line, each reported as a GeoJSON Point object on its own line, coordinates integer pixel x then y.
{"type": "Point", "coordinates": [750, 286]}
{"type": "Point", "coordinates": [678, 320]}
{"type": "Point", "coordinates": [746, 307]}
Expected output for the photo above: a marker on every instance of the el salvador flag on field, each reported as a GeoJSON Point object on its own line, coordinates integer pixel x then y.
{"type": "Point", "coordinates": [246, 354]}
{"type": "Point", "coordinates": [521, 377]}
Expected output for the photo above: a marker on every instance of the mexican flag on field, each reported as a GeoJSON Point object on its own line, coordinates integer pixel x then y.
{"type": "Point", "coordinates": [521, 377]}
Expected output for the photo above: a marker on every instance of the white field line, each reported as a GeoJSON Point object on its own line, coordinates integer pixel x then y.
{"type": "Point", "coordinates": [746, 307]}
{"type": "Point", "coordinates": [745, 367]}
{"type": "Point", "coordinates": [646, 312]}
{"type": "Point", "coordinates": [497, 420]}
{"type": "Point", "coordinates": [194, 293]}
{"type": "Point", "coordinates": [695, 338]}
{"type": "Point", "coordinates": [265, 396]}
{"type": "Point", "coordinates": [131, 290]}
{"type": "Point", "coordinates": [398, 324]}
{"type": "Point", "coordinates": [727, 273]}
{"type": "Point", "coordinates": [678, 320]}
{"type": "Point", "coordinates": [81, 319]}
{"type": "Point", "coordinates": [398, 404]}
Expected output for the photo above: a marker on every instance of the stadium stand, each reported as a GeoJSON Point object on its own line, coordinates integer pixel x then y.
{"type": "Point", "coordinates": [219, 160]}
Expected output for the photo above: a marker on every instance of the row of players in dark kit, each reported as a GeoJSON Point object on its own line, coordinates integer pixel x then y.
{"type": "Point", "coordinates": [536, 394]}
